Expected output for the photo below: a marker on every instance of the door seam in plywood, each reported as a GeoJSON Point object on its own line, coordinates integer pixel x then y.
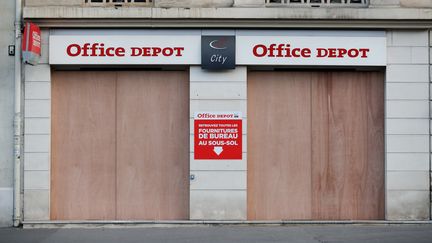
{"type": "Point", "coordinates": [311, 143]}
{"type": "Point", "coordinates": [115, 145]}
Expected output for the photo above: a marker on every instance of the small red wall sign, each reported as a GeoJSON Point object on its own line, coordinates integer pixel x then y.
{"type": "Point", "coordinates": [218, 135]}
{"type": "Point", "coordinates": [31, 44]}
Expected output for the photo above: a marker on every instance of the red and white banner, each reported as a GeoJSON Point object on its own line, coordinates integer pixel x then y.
{"type": "Point", "coordinates": [218, 135]}
{"type": "Point", "coordinates": [31, 43]}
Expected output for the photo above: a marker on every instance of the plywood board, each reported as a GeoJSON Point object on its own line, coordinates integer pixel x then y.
{"type": "Point", "coordinates": [279, 141]}
{"type": "Point", "coordinates": [83, 146]}
{"type": "Point", "coordinates": [323, 159]}
{"type": "Point", "coordinates": [120, 145]}
{"type": "Point", "coordinates": [348, 146]}
{"type": "Point", "coordinates": [152, 145]}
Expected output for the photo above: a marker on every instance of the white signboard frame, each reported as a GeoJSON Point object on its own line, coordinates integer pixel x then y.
{"type": "Point", "coordinates": [253, 47]}
{"type": "Point", "coordinates": [124, 50]}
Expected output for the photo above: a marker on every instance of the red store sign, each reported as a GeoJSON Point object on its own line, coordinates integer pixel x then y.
{"type": "Point", "coordinates": [31, 43]}
{"type": "Point", "coordinates": [130, 48]}
{"type": "Point", "coordinates": [218, 135]}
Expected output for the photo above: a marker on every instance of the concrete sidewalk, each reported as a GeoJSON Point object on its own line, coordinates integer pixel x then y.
{"type": "Point", "coordinates": [247, 234]}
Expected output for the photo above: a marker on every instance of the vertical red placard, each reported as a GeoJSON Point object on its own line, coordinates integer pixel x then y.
{"type": "Point", "coordinates": [31, 43]}
{"type": "Point", "coordinates": [218, 138]}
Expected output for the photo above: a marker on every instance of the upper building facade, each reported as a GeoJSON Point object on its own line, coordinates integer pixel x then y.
{"type": "Point", "coordinates": [234, 13]}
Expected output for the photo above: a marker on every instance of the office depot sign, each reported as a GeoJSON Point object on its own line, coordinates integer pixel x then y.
{"type": "Point", "coordinates": [218, 135]}
{"type": "Point", "coordinates": [332, 48]}
{"type": "Point", "coordinates": [253, 47]}
{"type": "Point", "coordinates": [100, 50]}
{"type": "Point", "coordinates": [118, 49]}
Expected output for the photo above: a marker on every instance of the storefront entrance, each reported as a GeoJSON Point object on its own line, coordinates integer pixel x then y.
{"type": "Point", "coordinates": [315, 145]}
{"type": "Point", "coordinates": [120, 145]}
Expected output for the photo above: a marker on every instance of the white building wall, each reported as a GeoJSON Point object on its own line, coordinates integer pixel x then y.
{"type": "Point", "coordinates": [430, 103]}
{"type": "Point", "coordinates": [407, 126]}
{"type": "Point", "coordinates": [218, 190]}
{"type": "Point", "coordinates": [37, 135]}
{"type": "Point", "coordinates": [7, 67]}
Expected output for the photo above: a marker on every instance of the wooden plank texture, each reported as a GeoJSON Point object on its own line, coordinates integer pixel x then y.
{"type": "Point", "coordinates": [348, 146]}
{"type": "Point", "coordinates": [83, 146]}
{"type": "Point", "coordinates": [153, 145]}
{"type": "Point", "coordinates": [279, 141]}
{"type": "Point", "coordinates": [375, 192]}
{"type": "Point", "coordinates": [120, 145]}
{"type": "Point", "coordinates": [346, 163]}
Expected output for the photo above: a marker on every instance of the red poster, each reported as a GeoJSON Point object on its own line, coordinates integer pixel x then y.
{"type": "Point", "coordinates": [31, 43]}
{"type": "Point", "coordinates": [218, 135]}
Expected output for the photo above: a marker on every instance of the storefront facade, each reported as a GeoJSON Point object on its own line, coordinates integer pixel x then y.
{"type": "Point", "coordinates": [245, 111]}
{"type": "Point", "coordinates": [335, 126]}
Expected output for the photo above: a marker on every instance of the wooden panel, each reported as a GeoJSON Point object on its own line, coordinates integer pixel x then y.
{"type": "Point", "coordinates": [83, 145]}
{"type": "Point", "coordinates": [279, 141]}
{"type": "Point", "coordinates": [348, 146]}
{"type": "Point", "coordinates": [316, 145]}
{"type": "Point", "coordinates": [152, 145]}
{"type": "Point", "coordinates": [374, 206]}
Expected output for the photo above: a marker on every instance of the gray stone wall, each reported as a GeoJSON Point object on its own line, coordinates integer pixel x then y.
{"type": "Point", "coordinates": [407, 125]}
{"type": "Point", "coordinates": [219, 190]}
{"type": "Point", "coordinates": [37, 134]}
{"type": "Point", "coordinates": [38, 3]}
{"type": "Point", "coordinates": [193, 3]}
{"type": "Point", "coordinates": [7, 13]}
{"type": "Point", "coordinates": [229, 3]}
{"type": "Point", "coordinates": [430, 105]}
{"type": "Point", "coordinates": [416, 3]}
{"type": "Point", "coordinates": [384, 3]}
